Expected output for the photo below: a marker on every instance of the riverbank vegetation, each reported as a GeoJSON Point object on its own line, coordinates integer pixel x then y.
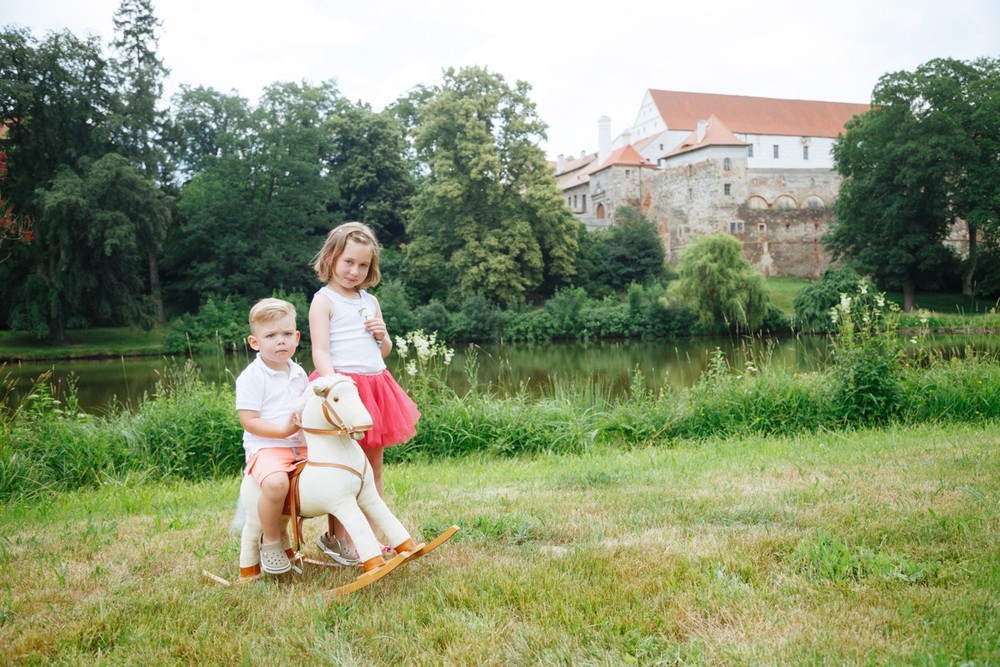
{"type": "Point", "coordinates": [187, 428]}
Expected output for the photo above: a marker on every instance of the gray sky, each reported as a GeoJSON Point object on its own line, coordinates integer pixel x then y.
{"type": "Point", "coordinates": [583, 59]}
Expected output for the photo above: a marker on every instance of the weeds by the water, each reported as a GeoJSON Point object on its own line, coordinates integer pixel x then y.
{"type": "Point", "coordinates": [188, 428]}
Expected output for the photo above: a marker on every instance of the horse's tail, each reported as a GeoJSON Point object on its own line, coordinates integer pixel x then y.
{"type": "Point", "coordinates": [239, 518]}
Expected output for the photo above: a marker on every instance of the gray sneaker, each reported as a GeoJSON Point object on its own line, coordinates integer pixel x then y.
{"type": "Point", "coordinates": [337, 550]}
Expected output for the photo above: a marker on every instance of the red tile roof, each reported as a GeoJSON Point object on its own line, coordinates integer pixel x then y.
{"type": "Point", "coordinates": [716, 134]}
{"type": "Point", "coordinates": [626, 156]}
{"type": "Point", "coordinates": [755, 115]}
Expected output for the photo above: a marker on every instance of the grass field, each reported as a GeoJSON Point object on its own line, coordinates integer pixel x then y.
{"type": "Point", "coordinates": [876, 547]}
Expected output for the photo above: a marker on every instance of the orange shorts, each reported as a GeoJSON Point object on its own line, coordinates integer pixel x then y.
{"type": "Point", "coordinates": [265, 461]}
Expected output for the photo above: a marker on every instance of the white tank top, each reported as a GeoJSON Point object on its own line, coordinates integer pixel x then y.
{"type": "Point", "coordinates": [352, 348]}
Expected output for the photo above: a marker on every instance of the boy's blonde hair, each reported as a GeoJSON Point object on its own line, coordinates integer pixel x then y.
{"type": "Point", "coordinates": [268, 310]}
{"type": "Point", "coordinates": [334, 246]}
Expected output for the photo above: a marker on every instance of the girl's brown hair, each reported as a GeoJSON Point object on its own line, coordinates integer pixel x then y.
{"type": "Point", "coordinates": [334, 246]}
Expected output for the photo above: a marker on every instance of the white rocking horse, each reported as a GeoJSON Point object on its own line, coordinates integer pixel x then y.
{"type": "Point", "coordinates": [335, 480]}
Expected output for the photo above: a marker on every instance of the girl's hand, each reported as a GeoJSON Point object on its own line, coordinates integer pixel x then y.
{"type": "Point", "coordinates": [376, 327]}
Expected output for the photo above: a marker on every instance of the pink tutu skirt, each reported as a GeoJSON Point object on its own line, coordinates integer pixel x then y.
{"type": "Point", "coordinates": [394, 414]}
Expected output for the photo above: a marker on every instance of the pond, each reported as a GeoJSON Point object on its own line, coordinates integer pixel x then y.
{"type": "Point", "coordinates": [604, 367]}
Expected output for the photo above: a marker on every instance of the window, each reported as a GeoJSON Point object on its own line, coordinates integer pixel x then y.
{"type": "Point", "coordinates": [628, 172]}
{"type": "Point", "coordinates": [690, 171]}
{"type": "Point", "coordinates": [574, 201]}
{"type": "Point", "coordinates": [776, 155]}
{"type": "Point", "coordinates": [584, 198]}
{"type": "Point", "coordinates": [690, 194]}
{"type": "Point", "coordinates": [805, 152]}
{"type": "Point", "coordinates": [727, 189]}
{"type": "Point", "coordinates": [749, 150]}
{"type": "Point", "coordinates": [727, 165]}
{"type": "Point", "coordinates": [736, 227]}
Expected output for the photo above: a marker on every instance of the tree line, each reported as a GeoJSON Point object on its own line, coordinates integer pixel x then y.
{"type": "Point", "coordinates": [117, 210]}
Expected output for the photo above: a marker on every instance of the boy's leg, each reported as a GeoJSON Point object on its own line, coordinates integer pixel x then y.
{"type": "Point", "coordinates": [274, 489]}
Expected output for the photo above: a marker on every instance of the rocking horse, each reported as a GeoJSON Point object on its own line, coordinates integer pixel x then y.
{"type": "Point", "coordinates": [336, 480]}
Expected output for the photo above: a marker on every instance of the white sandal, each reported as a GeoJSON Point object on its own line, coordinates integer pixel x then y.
{"type": "Point", "coordinates": [272, 558]}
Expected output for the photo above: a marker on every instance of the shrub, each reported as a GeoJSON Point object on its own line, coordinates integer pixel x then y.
{"type": "Point", "coordinates": [866, 358]}
{"type": "Point", "coordinates": [478, 319]}
{"type": "Point", "coordinates": [813, 303]}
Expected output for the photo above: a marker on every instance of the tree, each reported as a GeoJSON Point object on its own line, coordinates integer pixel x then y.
{"type": "Point", "coordinates": [258, 208]}
{"type": "Point", "coordinates": [57, 97]}
{"type": "Point", "coordinates": [923, 157]}
{"type": "Point", "coordinates": [137, 121]}
{"type": "Point", "coordinates": [488, 218]}
{"type": "Point", "coordinates": [367, 163]}
{"type": "Point", "coordinates": [636, 249]}
{"type": "Point", "coordinates": [717, 282]}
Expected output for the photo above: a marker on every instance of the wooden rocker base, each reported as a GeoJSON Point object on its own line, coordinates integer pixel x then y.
{"type": "Point", "coordinates": [433, 544]}
{"type": "Point", "coordinates": [367, 578]}
{"type": "Point", "coordinates": [372, 576]}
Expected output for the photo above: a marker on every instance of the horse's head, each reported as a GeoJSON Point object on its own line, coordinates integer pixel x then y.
{"type": "Point", "coordinates": [331, 406]}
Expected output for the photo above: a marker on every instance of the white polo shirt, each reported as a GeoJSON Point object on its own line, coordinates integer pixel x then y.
{"type": "Point", "coordinates": [271, 393]}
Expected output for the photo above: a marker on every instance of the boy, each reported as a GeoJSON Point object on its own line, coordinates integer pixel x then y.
{"type": "Point", "coordinates": [265, 393]}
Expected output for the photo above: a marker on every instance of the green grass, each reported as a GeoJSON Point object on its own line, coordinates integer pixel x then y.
{"type": "Point", "coordinates": [868, 547]}
{"type": "Point", "coordinates": [84, 343]}
{"type": "Point", "coordinates": [783, 290]}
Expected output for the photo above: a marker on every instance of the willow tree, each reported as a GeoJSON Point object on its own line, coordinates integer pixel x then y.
{"type": "Point", "coordinates": [717, 282]}
{"type": "Point", "coordinates": [488, 218]}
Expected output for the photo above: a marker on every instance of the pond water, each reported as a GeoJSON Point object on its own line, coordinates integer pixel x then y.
{"type": "Point", "coordinates": [604, 367]}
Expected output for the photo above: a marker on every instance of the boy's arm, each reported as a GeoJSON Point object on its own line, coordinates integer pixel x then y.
{"type": "Point", "coordinates": [253, 423]}
{"type": "Point", "coordinates": [320, 312]}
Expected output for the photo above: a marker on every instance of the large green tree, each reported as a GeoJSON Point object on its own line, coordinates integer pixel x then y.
{"type": "Point", "coordinates": [56, 96]}
{"type": "Point", "coordinates": [367, 163]}
{"type": "Point", "coordinates": [138, 120]}
{"type": "Point", "coordinates": [922, 158]}
{"type": "Point", "coordinates": [717, 282]}
{"type": "Point", "coordinates": [258, 206]}
{"type": "Point", "coordinates": [488, 218]}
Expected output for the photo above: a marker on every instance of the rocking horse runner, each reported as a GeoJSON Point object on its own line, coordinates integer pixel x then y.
{"type": "Point", "coordinates": [336, 480]}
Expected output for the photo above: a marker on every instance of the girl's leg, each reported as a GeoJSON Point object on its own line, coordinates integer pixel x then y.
{"type": "Point", "coordinates": [274, 488]}
{"type": "Point", "coordinates": [374, 455]}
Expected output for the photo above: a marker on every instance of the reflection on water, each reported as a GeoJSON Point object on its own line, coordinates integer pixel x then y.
{"type": "Point", "coordinates": [604, 368]}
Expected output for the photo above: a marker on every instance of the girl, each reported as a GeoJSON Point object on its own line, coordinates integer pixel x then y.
{"type": "Point", "coordinates": [349, 337]}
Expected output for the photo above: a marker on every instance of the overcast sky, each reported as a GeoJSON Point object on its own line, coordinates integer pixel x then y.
{"type": "Point", "coordinates": [583, 59]}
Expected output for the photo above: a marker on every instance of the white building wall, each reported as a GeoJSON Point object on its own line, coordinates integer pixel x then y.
{"type": "Point", "coordinates": [790, 155]}
{"type": "Point", "coordinates": [648, 121]}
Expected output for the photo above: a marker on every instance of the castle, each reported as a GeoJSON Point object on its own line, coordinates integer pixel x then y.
{"type": "Point", "coordinates": [698, 163]}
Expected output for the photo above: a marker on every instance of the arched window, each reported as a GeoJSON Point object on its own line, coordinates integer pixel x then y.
{"type": "Point", "coordinates": [812, 201]}
{"type": "Point", "coordinates": [727, 164]}
{"type": "Point", "coordinates": [757, 202]}
{"type": "Point", "coordinates": [784, 201]}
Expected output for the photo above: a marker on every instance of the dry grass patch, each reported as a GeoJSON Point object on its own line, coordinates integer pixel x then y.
{"type": "Point", "coordinates": [878, 547]}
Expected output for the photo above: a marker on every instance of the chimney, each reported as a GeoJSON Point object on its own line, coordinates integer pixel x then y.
{"type": "Point", "coordinates": [603, 138]}
{"type": "Point", "coordinates": [702, 127]}
{"type": "Point", "coordinates": [560, 163]}
{"type": "Point", "coordinates": [626, 137]}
